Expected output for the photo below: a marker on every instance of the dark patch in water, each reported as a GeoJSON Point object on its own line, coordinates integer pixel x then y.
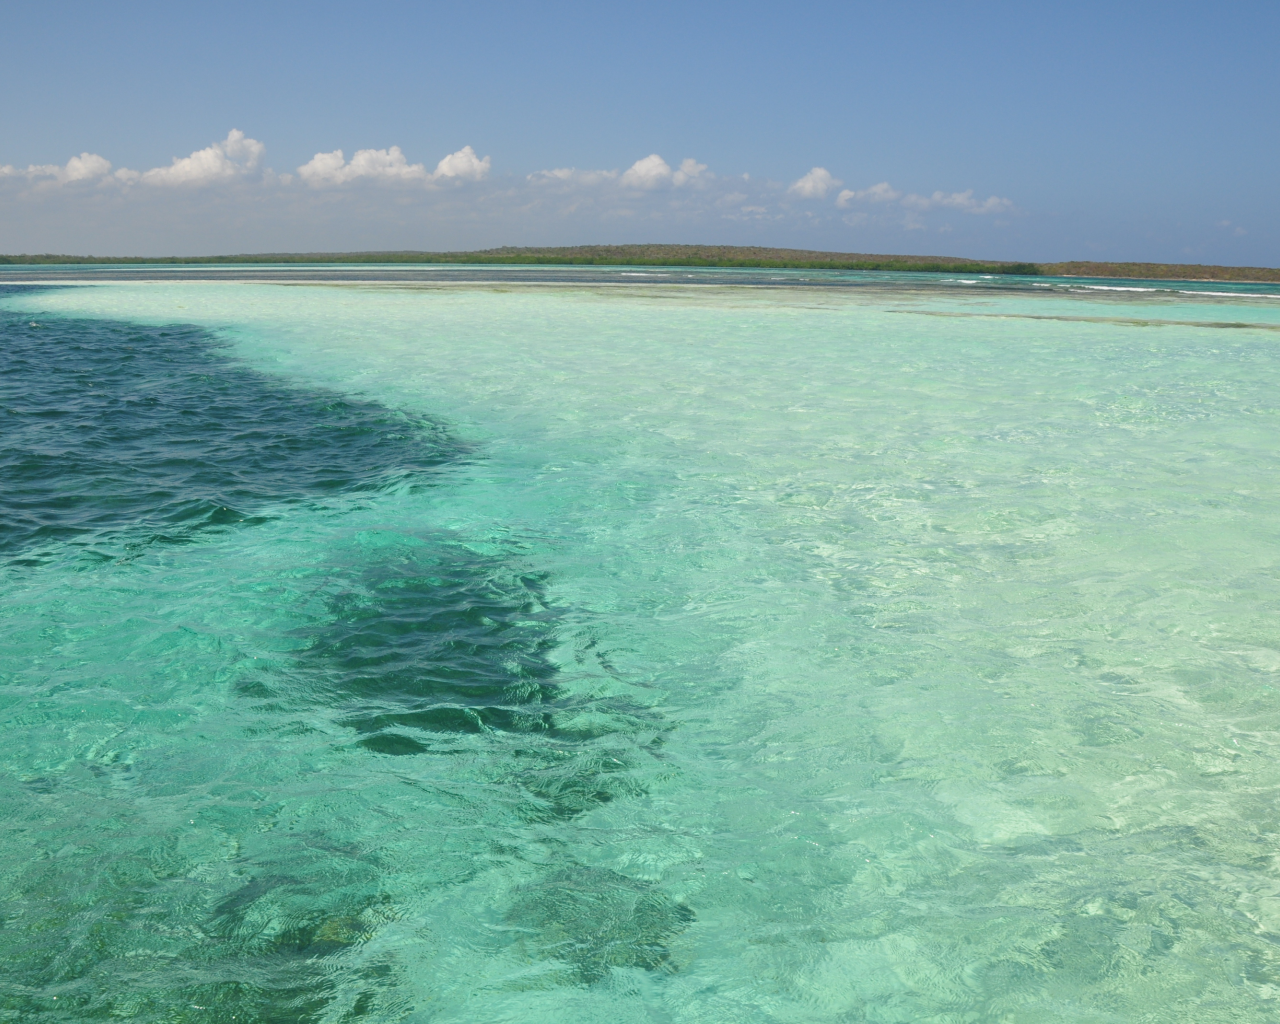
{"type": "Point", "coordinates": [595, 920]}
{"type": "Point", "coordinates": [435, 641]}
{"type": "Point", "coordinates": [111, 428]}
{"type": "Point", "coordinates": [393, 743]}
{"type": "Point", "coordinates": [117, 437]}
{"type": "Point", "coordinates": [438, 639]}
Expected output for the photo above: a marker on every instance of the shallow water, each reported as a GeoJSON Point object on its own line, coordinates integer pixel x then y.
{"type": "Point", "coordinates": [484, 646]}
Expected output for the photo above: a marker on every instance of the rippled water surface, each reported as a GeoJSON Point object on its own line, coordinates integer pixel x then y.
{"type": "Point", "coordinates": [486, 645]}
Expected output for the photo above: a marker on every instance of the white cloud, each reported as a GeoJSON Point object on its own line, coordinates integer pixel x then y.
{"type": "Point", "coordinates": [690, 170]}
{"type": "Point", "coordinates": [881, 193]}
{"type": "Point", "coordinates": [886, 193]}
{"type": "Point", "coordinates": [816, 184]}
{"type": "Point", "coordinates": [389, 165]}
{"type": "Point", "coordinates": [963, 201]}
{"type": "Point", "coordinates": [85, 167]}
{"type": "Point", "coordinates": [463, 164]}
{"type": "Point", "coordinates": [572, 176]}
{"type": "Point", "coordinates": [649, 192]}
{"type": "Point", "coordinates": [330, 168]}
{"type": "Point", "coordinates": [234, 156]}
{"type": "Point", "coordinates": [379, 164]}
{"type": "Point", "coordinates": [82, 168]}
{"type": "Point", "coordinates": [651, 172]}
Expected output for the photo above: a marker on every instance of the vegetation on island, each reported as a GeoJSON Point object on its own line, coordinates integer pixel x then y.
{"type": "Point", "coordinates": [1161, 271]}
{"type": "Point", "coordinates": [699, 256]}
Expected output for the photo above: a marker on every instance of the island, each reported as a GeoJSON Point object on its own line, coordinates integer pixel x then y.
{"type": "Point", "coordinates": [704, 256]}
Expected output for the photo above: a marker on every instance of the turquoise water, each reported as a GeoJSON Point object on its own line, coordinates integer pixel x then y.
{"type": "Point", "coordinates": [479, 646]}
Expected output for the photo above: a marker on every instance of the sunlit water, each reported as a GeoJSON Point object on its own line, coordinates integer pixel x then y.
{"type": "Point", "coordinates": [564, 646]}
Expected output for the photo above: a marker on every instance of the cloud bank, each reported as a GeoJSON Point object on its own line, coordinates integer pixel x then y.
{"type": "Point", "coordinates": [236, 156]}
{"type": "Point", "coordinates": [886, 193]}
{"type": "Point", "coordinates": [84, 167]}
{"type": "Point", "coordinates": [390, 165]}
{"type": "Point", "coordinates": [377, 188]}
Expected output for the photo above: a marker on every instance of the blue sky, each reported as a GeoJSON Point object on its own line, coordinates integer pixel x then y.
{"type": "Point", "coordinates": [1138, 131]}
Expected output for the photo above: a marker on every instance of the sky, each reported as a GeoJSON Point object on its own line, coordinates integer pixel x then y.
{"type": "Point", "coordinates": [1131, 131]}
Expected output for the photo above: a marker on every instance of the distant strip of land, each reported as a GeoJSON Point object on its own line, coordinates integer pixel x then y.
{"type": "Point", "coordinates": [702, 256]}
{"type": "Point", "coordinates": [1160, 271]}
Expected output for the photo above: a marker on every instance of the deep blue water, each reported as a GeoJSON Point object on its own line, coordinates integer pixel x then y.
{"type": "Point", "coordinates": [117, 434]}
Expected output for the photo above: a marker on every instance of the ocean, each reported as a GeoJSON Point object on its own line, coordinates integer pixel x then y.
{"type": "Point", "coordinates": [491, 644]}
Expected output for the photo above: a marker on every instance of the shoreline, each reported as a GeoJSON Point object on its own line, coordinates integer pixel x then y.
{"type": "Point", "coordinates": [745, 257]}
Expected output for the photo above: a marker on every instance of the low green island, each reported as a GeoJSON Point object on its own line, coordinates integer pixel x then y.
{"type": "Point", "coordinates": [702, 256]}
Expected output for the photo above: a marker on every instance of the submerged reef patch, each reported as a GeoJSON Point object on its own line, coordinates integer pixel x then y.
{"type": "Point", "coordinates": [209, 895]}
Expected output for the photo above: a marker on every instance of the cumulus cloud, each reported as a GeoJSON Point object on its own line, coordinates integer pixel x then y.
{"type": "Point", "coordinates": [881, 193]}
{"type": "Point", "coordinates": [85, 167]}
{"type": "Point", "coordinates": [651, 172]}
{"type": "Point", "coordinates": [379, 164]}
{"type": "Point", "coordinates": [654, 172]}
{"type": "Point", "coordinates": [650, 191]}
{"type": "Point", "coordinates": [233, 157]}
{"type": "Point", "coordinates": [815, 185]}
{"type": "Point", "coordinates": [390, 165]}
{"type": "Point", "coordinates": [463, 164]}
